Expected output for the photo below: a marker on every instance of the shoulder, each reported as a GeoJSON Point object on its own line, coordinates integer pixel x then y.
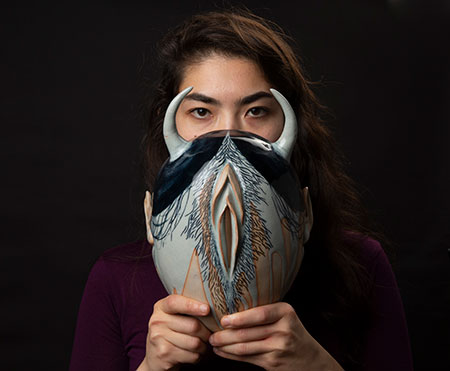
{"type": "Point", "coordinates": [373, 258]}
{"type": "Point", "coordinates": [370, 251]}
{"type": "Point", "coordinates": [117, 302]}
{"type": "Point", "coordinates": [387, 340]}
{"type": "Point", "coordinates": [121, 260]}
{"type": "Point", "coordinates": [126, 271]}
{"type": "Point", "coordinates": [131, 251]}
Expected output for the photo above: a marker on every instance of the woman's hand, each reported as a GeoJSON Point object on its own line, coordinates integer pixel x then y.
{"type": "Point", "coordinates": [174, 338]}
{"type": "Point", "coordinates": [272, 337]}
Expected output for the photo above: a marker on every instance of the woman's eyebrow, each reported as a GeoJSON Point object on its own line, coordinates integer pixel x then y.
{"type": "Point", "coordinates": [202, 98]}
{"type": "Point", "coordinates": [254, 97]}
{"type": "Point", "coordinates": [242, 102]}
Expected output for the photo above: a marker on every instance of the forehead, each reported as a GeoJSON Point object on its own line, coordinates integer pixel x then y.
{"type": "Point", "coordinates": [224, 75]}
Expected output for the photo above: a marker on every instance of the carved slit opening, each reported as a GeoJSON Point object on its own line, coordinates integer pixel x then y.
{"type": "Point", "coordinates": [227, 215]}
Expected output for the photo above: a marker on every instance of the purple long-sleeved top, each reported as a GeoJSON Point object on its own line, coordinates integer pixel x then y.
{"type": "Point", "coordinates": [119, 296]}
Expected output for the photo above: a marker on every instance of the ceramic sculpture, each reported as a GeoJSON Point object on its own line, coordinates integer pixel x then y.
{"type": "Point", "coordinates": [228, 218]}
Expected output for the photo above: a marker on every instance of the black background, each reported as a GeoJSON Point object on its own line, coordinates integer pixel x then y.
{"type": "Point", "coordinates": [71, 134]}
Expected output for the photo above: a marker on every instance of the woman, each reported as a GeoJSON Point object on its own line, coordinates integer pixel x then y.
{"type": "Point", "coordinates": [344, 309]}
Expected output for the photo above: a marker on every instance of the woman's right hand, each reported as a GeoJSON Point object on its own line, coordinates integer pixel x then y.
{"type": "Point", "coordinates": [174, 335]}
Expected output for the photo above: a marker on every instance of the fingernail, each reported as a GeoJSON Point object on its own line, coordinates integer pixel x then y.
{"type": "Point", "coordinates": [211, 340]}
{"type": "Point", "coordinates": [203, 308]}
{"type": "Point", "coordinates": [226, 321]}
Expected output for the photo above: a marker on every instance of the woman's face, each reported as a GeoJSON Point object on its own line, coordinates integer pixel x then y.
{"type": "Point", "coordinates": [229, 93]}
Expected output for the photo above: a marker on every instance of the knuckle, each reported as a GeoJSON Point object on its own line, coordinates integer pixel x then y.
{"type": "Point", "coordinates": [290, 317]}
{"type": "Point", "coordinates": [241, 349]}
{"type": "Point", "coordinates": [284, 342]}
{"type": "Point", "coordinates": [241, 334]}
{"type": "Point", "coordinates": [155, 335]}
{"type": "Point", "coordinates": [281, 347]}
{"type": "Point", "coordinates": [165, 364]}
{"type": "Point", "coordinates": [263, 314]}
{"type": "Point", "coordinates": [196, 344]}
{"type": "Point", "coordinates": [288, 308]}
{"type": "Point", "coordinates": [157, 306]}
{"type": "Point", "coordinates": [267, 331]}
{"type": "Point", "coordinates": [163, 351]}
{"type": "Point", "coordinates": [154, 317]}
{"type": "Point", "coordinates": [171, 301]}
{"type": "Point", "coordinates": [290, 311]}
{"type": "Point", "coordinates": [274, 362]}
{"type": "Point", "coordinates": [194, 326]}
{"type": "Point", "coordinates": [154, 322]}
{"type": "Point", "coordinates": [283, 339]}
{"type": "Point", "coordinates": [190, 305]}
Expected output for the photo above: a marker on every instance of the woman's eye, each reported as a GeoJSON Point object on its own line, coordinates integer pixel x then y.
{"type": "Point", "coordinates": [200, 113]}
{"type": "Point", "coordinates": [257, 111]}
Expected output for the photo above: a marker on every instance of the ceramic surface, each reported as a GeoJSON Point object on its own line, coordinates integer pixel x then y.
{"type": "Point", "coordinates": [228, 218]}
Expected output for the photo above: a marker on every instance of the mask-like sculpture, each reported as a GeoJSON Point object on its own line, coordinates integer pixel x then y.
{"type": "Point", "coordinates": [228, 218]}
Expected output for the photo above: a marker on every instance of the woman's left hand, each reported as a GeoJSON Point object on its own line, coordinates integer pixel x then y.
{"type": "Point", "coordinates": [272, 337]}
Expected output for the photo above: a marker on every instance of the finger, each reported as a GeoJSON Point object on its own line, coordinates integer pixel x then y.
{"type": "Point", "coordinates": [247, 349]}
{"type": "Point", "coordinates": [173, 355]}
{"type": "Point", "coordinates": [173, 304]}
{"type": "Point", "coordinates": [187, 325]}
{"type": "Point", "coordinates": [241, 335]}
{"type": "Point", "coordinates": [186, 342]}
{"type": "Point", "coordinates": [262, 315]}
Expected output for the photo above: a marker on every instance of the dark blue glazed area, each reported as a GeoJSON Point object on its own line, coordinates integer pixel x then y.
{"type": "Point", "coordinates": [174, 177]}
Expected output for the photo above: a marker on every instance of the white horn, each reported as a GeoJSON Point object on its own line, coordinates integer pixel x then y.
{"type": "Point", "coordinates": [286, 142]}
{"type": "Point", "coordinates": [175, 144]}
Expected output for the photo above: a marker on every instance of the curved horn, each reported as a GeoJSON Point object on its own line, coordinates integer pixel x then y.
{"type": "Point", "coordinates": [175, 144]}
{"type": "Point", "coordinates": [285, 143]}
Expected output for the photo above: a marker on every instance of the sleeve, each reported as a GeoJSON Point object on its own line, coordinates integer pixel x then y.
{"type": "Point", "coordinates": [98, 343]}
{"type": "Point", "coordinates": [388, 346]}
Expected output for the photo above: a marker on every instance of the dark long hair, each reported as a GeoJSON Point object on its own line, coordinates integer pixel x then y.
{"type": "Point", "coordinates": [332, 281]}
